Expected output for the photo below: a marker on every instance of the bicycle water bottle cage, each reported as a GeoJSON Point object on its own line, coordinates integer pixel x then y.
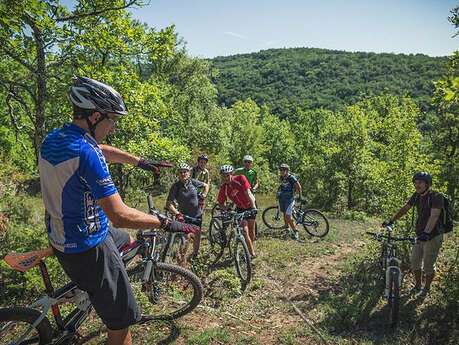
{"type": "Point", "coordinates": [25, 261]}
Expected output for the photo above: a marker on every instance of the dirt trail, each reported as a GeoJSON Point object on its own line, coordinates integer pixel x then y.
{"type": "Point", "coordinates": [264, 315]}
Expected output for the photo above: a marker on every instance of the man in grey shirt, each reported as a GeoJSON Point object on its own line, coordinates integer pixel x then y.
{"type": "Point", "coordinates": [185, 193]}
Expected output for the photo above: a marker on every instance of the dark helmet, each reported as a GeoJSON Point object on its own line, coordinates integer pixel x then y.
{"type": "Point", "coordinates": [284, 166]}
{"type": "Point", "coordinates": [90, 94]}
{"type": "Point", "coordinates": [203, 156]}
{"type": "Point", "coordinates": [423, 176]}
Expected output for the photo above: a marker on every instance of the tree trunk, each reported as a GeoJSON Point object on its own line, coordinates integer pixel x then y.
{"type": "Point", "coordinates": [350, 185]}
{"type": "Point", "coordinates": [41, 78]}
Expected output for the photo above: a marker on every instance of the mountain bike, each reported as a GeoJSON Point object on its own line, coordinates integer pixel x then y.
{"type": "Point", "coordinates": [173, 243]}
{"type": "Point", "coordinates": [226, 231]}
{"type": "Point", "coordinates": [169, 292]}
{"type": "Point", "coordinates": [392, 274]}
{"type": "Point", "coordinates": [314, 222]}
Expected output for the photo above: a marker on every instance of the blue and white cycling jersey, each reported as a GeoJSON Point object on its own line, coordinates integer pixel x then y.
{"type": "Point", "coordinates": [73, 175]}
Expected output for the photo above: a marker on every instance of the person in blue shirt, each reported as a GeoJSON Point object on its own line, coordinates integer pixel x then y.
{"type": "Point", "coordinates": [81, 199]}
{"type": "Point", "coordinates": [286, 195]}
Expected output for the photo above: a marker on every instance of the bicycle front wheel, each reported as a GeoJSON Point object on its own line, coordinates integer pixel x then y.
{"type": "Point", "coordinates": [170, 292]}
{"type": "Point", "coordinates": [174, 250]}
{"type": "Point", "coordinates": [394, 296]}
{"type": "Point", "coordinates": [273, 218]}
{"type": "Point", "coordinates": [217, 240]}
{"type": "Point", "coordinates": [14, 323]}
{"type": "Point", "coordinates": [315, 223]}
{"type": "Point", "coordinates": [243, 263]}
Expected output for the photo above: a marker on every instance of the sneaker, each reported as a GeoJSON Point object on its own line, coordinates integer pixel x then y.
{"type": "Point", "coordinates": [422, 293]}
{"type": "Point", "coordinates": [294, 235]}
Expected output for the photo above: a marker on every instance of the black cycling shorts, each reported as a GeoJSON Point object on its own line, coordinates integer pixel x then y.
{"type": "Point", "coordinates": [240, 210]}
{"type": "Point", "coordinates": [101, 273]}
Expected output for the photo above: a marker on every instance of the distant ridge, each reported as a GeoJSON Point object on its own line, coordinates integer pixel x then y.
{"type": "Point", "coordinates": [313, 78]}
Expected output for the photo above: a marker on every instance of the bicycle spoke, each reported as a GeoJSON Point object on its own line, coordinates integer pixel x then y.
{"type": "Point", "coordinates": [12, 331]}
{"type": "Point", "coordinates": [171, 292]}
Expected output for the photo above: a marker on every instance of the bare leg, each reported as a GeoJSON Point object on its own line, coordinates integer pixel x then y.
{"type": "Point", "coordinates": [119, 337]}
{"type": "Point", "coordinates": [429, 278]}
{"type": "Point", "coordinates": [288, 220]}
{"type": "Point", "coordinates": [247, 239]}
{"type": "Point", "coordinates": [418, 278]}
{"type": "Point", "coordinates": [251, 224]}
{"type": "Point", "coordinates": [196, 243]}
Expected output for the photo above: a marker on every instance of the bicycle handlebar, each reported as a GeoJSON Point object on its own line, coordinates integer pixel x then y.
{"type": "Point", "coordinates": [240, 215]}
{"type": "Point", "coordinates": [379, 236]}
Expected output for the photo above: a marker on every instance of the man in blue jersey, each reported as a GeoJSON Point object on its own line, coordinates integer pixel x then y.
{"type": "Point", "coordinates": [80, 199]}
{"type": "Point", "coordinates": [286, 196]}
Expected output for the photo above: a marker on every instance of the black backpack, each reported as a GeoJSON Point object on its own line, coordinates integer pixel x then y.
{"type": "Point", "coordinates": [446, 214]}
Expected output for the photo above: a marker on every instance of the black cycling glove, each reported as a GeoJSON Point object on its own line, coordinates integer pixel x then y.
{"type": "Point", "coordinates": [424, 237]}
{"type": "Point", "coordinates": [148, 165]}
{"type": "Point", "coordinates": [171, 225]}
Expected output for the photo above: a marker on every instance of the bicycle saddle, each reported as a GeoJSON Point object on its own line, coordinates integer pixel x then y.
{"type": "Point", "coordinates": [25, 261]}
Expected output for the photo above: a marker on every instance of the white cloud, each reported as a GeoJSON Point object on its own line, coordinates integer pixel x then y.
{"type": "Point", "coordinates": [234, 34]}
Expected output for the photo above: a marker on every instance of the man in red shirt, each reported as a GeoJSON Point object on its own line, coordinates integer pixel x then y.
{"type": "Point", "coordinates": [237, 189]}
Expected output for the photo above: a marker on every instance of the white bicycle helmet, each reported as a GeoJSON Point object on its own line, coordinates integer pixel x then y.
{"type": "Point", "coordinates": [184, 166]}
{"type": "Point", "coordinates": [226, 169]}
{"type": "Point", "coordinates": [90, 94]}
{"type": "Point", "coordinates": [247, 158]}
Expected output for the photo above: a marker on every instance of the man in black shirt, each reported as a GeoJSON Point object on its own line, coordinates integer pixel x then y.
{"type": "Point", "coordinates": [185, 192]}
{"type": "Point", "coordinates": [428, 230]}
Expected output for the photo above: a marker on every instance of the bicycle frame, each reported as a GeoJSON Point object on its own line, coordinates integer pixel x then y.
{"type": "Point", "coordinates": [70, 293]}
{"type": "Point", "coordinates": [389, 258]}
{"type": "Point", "coordinates": [392, 263]}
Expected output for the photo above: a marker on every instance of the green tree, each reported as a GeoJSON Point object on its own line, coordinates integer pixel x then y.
{"type": "Point", "coordinates": [445, 138]}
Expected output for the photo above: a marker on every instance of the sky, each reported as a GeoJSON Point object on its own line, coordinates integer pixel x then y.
{"type": "Point", "coordinates": [218, 28]}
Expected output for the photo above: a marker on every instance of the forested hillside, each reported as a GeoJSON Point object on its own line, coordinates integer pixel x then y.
{"type": "Point", "coordinates": [315, 78]}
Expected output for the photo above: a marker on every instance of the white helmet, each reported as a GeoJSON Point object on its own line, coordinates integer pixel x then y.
{"type": "Point", "coordinates": [226, 169]}
{"type": "Point", "coordinates": [247, 158]}
{"type": "Point", "coordinates": [184, 166]}
{"type": "Point", "coordinates": [90, 94]}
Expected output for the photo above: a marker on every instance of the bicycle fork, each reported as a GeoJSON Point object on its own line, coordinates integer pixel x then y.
{"type": "Point", "coordinates": [388, 272]}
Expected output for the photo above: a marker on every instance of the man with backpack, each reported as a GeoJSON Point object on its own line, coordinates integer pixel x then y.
{"type": "Point", "coordinates": [433, 219]}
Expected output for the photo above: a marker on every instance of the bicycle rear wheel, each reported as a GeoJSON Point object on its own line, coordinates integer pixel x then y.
{"type": "Point", "coordinates": [315, 223]}
{"type": "Point", "coordinates": [170, 293]}
{"type": "Point", "coordinates": [273, 218]}
{"type": "Point", "coordinates": [394, 296]}
{"type": "Point", "coordinates": [15, 321]}
{"type": "Point", "coordinates": [243, 263]}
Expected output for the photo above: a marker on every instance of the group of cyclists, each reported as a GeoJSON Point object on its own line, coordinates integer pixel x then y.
{"type": "Point", "coordinates": [185, 200]}
{"type": "Point", "coordinates": [84, 209]}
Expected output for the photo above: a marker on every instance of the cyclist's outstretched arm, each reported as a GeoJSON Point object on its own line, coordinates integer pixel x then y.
{"type": "Point", "coordinates": [123, 216]}
{"type": "Point", "coordinates": [115, 155]}
{"type": "Point", "coordinates": [400, 213]}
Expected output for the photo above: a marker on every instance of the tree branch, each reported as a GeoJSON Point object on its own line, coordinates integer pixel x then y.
{"type": "Point", "coordinates": [16, 58]}
{"type": "Point", "coordinates": [97, 12]}
{"type": "Point", "coordinates": [25, 87]}
{"type": "Point", "coordinates": [11, 113]}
